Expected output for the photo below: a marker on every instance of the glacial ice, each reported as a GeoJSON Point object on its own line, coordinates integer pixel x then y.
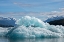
{"type": "Point", "coordinates": [38, 30]}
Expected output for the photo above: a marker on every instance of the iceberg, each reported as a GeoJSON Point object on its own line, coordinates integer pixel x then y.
{"type": "Point", "coordinates": [32, 27]}
{"type": "Point", "coordinates": [39, 29]}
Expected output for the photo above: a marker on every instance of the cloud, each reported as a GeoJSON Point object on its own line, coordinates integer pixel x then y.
{"type": "Point", "coordinates": [38, 4]}
{"type": "Point", "coordinates": [61, 9]}
{"type": "Point", "coordinates": [23, 4]}
{"type": "Point", "coordinates": [41, 15]}
{"type": "Point", "coordinates": [61, 12]}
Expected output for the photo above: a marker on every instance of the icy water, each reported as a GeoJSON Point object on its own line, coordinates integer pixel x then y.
{"type": "Point", "coordinates": [33, 40]}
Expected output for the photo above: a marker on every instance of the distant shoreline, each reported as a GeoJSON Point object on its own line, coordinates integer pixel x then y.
{"type": "Point", "coordinates": [6, 25]}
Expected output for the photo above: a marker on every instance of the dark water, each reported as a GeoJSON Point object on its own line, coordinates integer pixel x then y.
{"type": "Point", "coordinates": [33, 40]}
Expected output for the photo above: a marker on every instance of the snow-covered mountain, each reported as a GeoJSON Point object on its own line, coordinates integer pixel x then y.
{"type": "Point", "coordinates": [54, 18]}
{"type": "Point", "coordinates": [7, 22]}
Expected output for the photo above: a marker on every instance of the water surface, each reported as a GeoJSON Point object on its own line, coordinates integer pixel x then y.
{"type": "Point", "coordinates": [33, 40]}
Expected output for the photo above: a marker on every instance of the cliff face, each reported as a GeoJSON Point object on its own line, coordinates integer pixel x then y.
{"type": "Point", "coordinates": [57, 22]}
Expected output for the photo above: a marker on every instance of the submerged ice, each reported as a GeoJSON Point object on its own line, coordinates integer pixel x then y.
{"type": "Point", "coordinates": [31, 27]}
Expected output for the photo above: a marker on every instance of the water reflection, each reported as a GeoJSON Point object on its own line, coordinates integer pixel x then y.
{"type": "Point", "coordinates": [40, 40]}
{"type": "Point", "coordinates": [33, 40]}
{"type": "Point", "coordinates": [4, 39]}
